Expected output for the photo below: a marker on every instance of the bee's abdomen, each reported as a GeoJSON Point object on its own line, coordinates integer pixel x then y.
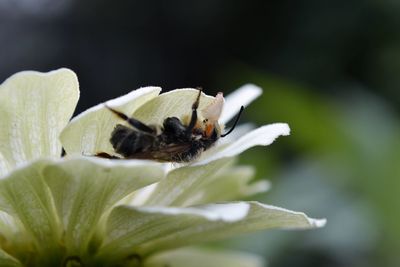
{"type": "Point", "coordinates": [127, 141]}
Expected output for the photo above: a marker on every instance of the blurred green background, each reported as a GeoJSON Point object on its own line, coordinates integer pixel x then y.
{"type": "Point", "coordinates": [328, 68]}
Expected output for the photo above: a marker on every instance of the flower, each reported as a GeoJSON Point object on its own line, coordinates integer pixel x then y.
{"type": "Point", "coordinates": [87, 211]}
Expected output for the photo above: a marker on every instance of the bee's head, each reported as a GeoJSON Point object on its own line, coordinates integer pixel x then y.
{"type": "Point", "coordinates": [211, 115]}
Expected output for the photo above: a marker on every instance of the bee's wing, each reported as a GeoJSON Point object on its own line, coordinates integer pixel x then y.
{"type": "Point", "coordinates": [169, 152]}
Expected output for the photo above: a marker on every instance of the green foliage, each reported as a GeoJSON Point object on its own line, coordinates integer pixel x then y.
{"type": "Point", "coordinates": [353, 138]}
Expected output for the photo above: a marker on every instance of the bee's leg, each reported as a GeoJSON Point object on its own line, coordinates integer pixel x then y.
{"type": "Point", "coordinates": [193, 119]}
{"type": "Point", "coordinates": [106, 155]}
{"type": "Point", "coordinates": [134, 122]}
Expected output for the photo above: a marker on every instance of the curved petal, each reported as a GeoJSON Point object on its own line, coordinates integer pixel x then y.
{"type": "Point", "coordinates": [197, 184]}
{"type": "Point", "coordinates": [15, 237]}
{"type": "Point", "coordinates": [241, 97]}
{"type": "Point", "coordinates": [145, 230]}
{"type": "Point", "coordinates": [201, 257]}
{"type": "Point", "coordinates": [90, 131]}
{"type": "Point", "coordinates": [34, 108]}
{"type": "Point", "coordinates": [239, 131]}
{"type": "Point", "coordinates": [9, 227]}
{"type": "Point", "coordinates": [181, 184]}
{"type": "Point", "coordinates": [176, 103]}
{"type": "Point", "coordinates": [216, 182]}
{"type": "Point", "coordinates": [231, 184]}
{"type": "Point", "coordinates": [66, 198]}
{"type": "Point", "coordinates": [25, 196]}
{"type": "Point", "coordinates": [262, 136]}
{"type": "Point", "coordinates": [84, 189]}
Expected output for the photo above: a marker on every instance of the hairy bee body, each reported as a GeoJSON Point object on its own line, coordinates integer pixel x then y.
{"type": "Point", "coordinates": [173, 141]}
{"type": "Point", "coordinates": [173, 144]}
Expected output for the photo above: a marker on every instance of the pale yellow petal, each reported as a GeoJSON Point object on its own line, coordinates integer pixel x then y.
{"type": "Point", "coordinates": [34, 108]}
{"type": "Point", "coordinates": [177, 103]}
{"type": "Point", "coordinates": [147, 230]}
{"type": "Point", "coordinates": [89, 132]}
{"type": "Point", "coordinates": [201, 257]}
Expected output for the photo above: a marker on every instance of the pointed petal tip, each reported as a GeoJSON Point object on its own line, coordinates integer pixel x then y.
{"type": "Point", "coordinates": [252, 89]}
{"type": "Point", "coordinates": [278, 128]}
{"type": "Point", "coordinates": [303, 221]}
{"type": "Point", "coordinates": [262, 136]}
{"type": "Point", "coordinates": [243, 96]}
{"type": "Point", "coordinates": [258, 187]}
{"type": "Point", "coordinates": [283, 128]}
{"type": "Point", "coordinates": [317, 223]}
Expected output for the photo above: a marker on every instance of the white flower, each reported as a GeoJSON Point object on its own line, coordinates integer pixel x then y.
{"type": "Point", "coordinates": [86, 211]}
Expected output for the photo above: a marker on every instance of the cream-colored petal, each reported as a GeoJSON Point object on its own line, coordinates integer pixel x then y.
{"type": "Point", "coordinates": [241, 97]}
{"type": "Point", "coordinates": [84, 189]}
{"type": "Point", "coordinates": [9, 227]}
{"type": "Point", "coordinates": [181, 184]}
{"type": "Point", "coordinates": [34, 108]}
{"type": "Point", "coordinates": [25, 196]}
{"type": "Point", "coordinates": [230, 184]}
{"type": "Point", "coordinates": [262, 136]}
{"type": "Point", "coordinates": [89, 132]}
{"type": "Point", "coordinates": [14, 236]}
{"type": "Point", "coordinates": [176, 103]}
{"type": "Point", "coordinates": [239, 131]}
{"type": "Point", "coordinates": [146, 230]}
{"type": "Point", "coordinates": [201, 257]}
{"type": "Point", "coordinates": [64, 200]}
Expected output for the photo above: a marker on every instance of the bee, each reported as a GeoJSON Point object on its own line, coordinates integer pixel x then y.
{"type": "Point", "coordinates": [174, 140]}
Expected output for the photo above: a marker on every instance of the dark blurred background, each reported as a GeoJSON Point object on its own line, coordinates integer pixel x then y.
{"type": "Point", "coordinates": [328, 68]}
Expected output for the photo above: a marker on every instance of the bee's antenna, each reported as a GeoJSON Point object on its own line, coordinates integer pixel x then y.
{"type": "Point", "coordinates": [234, 124]}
